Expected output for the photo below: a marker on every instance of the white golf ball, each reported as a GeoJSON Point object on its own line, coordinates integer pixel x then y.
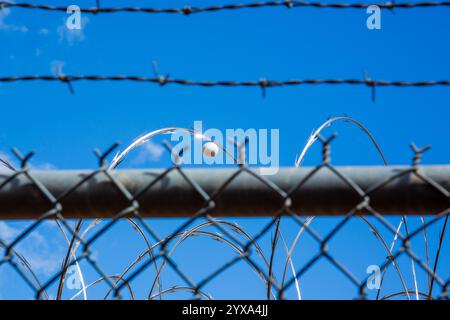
{"type": "Point", "coordinates": [210, 149]}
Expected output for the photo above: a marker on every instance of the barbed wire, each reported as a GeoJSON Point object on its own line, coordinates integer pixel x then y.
{"type": "Point", "coordinates": [187, 10]}
{"type": "Point", "coordinates": [265, 83]}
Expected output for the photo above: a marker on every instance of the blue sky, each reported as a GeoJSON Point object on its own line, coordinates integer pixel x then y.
{"type": "Point", "coordinates": [274, 43]}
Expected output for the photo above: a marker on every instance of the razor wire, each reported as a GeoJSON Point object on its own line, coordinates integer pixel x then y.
{"type": "Point", "coordinates": [247, 251]}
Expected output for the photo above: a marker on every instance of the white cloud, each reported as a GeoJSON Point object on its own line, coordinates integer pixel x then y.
{"type": "Point", "coordinates": [43, 31]}
{"type": "Point", "coordinates": [72, 36]}
{"type": "Point", "coordinates": [149, 151]}
{"type": "Point", "coordinates": [43, 256]}
{"type": "Point", "coordinates": [56, 66]}
{"type": "Point", "coordinates": [4, 26]}
{"type": "Point", "coordinates": [44, 166]}
{"type": "Point", "coordinates": [7, 233]}
{"type": "Point", "coordinates": [4, 166]}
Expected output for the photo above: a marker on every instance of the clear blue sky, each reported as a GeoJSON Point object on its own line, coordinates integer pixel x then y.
{"type": "Point", "coordinates": [273, 43]}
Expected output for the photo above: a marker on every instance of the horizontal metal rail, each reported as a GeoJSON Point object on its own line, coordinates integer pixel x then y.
{"type": "Point", "coordinates": [328, 191]}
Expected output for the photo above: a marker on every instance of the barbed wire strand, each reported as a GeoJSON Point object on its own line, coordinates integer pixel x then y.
{"type": "Point", "coordinates": [187, 10]}
{"type": "Point", "coordinates": [264, 83]}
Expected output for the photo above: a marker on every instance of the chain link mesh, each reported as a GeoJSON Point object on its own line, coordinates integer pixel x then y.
{"type": "Point", "coordinates": [256, 248]}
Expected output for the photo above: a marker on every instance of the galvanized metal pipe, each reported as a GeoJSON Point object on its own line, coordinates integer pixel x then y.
{"type": "Point", "coordinates": [172, 196]}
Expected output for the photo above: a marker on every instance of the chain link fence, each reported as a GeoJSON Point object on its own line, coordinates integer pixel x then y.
{"type": "Point", "coordinates": [412, 251]}
{"type": "Point", "coordinates": [318, 232]}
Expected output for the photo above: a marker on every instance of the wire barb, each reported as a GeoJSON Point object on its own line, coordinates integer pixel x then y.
{"type": "Point", "coordinates": [326, 149]}
{"type": "Point", "coordinates": [418, 152]}
{"type": "Point", "coordinates": [23, 159]}
{"type": "Point", "coordinates": [102, 156]}
{"type": "Point", "coordinates": [371, 84]}
{"type": "Point", "coordinates": [289, 4]}
{"type": "Point", "coordinates": [65, 79]}
{"type": "Point", "coordinates": [162, 80]}
{"type": "Point", "coordinates": [97, 6]}
{"type": "Point", "coordinates": [263, 84]}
